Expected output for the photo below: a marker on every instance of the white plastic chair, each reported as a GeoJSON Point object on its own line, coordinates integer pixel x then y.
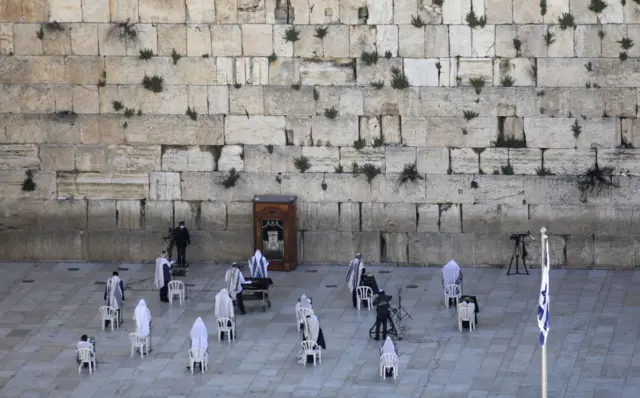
{"type": "Point", "coordinates": [226, 325]}
{"type": "Point", "coordinates": [109, 314]}
{"type": "Point", "coordinates": [139, 342]}
{"type": "Point", "coordinates": [196, 356]}
{"type": "Point", "coordinates": [467, 313]}
{"type": "Point", "coordinates": [85, 356]}
{"type": "Point", "coordinates": [176, 288]}
{"type": "Point", "coordinates": [311, 348]}
{"type": "Point", "coordinates": [452, 292]}
{"type": "Point", "coordinates": [301, 316]}
{"type": "Point", "coordinates": [388, 361]}
{"type": "Point", "coordinates": [365, 293]}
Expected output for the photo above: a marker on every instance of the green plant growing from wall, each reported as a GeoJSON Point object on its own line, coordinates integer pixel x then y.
{"type": "Point", "coordinates": [597, 6]}
{"type": "Point", "coordinates": [175, 56]}
{"type": "Point", "coordinates": [388, 54]}
{"type": "Point", "coordinates": [626, 44]}
{"type": "Point", "coordinates": [439, 3]}
{"type": "Point", "coordinates": [417, 21]}
{"type": "Point", "coordinates": [272, 58]}
{"type": "Point", "coordinates": [205, 55]}
{"type": "Point", "coordinates": [54, 26]}
{"type": "Point", "coordinates": [623, 56]}
{"type": "Point", "coordinates": [359, 143]}
{"type": "Point", "coordinates": [321, 32]}
{"type": "Point", "coordinates": [507, 81]}
{"type": "Point", "coordinates": [576, 129]}
{"type": "Point", "coordinates": [566, 20]}
{"type": "Point", "coordinates": [470, 115]}
{"type": "Point", "coordinates": [355, 169]}
{"type": "Point", "coordinates": [126, 29]}
{"type": "Point", "coordinates": [40, 33]}
{"type": "Point", "coordinates": [378, 141]}
{"type": "Point", "coordinates": [409, 173]}
{"type": "Point", "coordinates": [370, 171]}
{"type": "Point", "coordinates": [117, 105]}
{"type": "Point", "coordinates": [543, 7]}
{"type": "Point", "coordinates": [601, 34]}
{"type": "Point", "coordinates": [103, 82]}
{"type": "Point", "coordinates": [302, 163]}
{"type": "Point", "coordinates": [296, 86]}
{"type": "Point", "coordinates": [473, 21]}
{"type": "Point", "coordinates": [129, 112]}
{"type": "Point", "coordinates": [477, 83]}
{"type": "Point", "coordinates": [369, 58]}
{"type": "Point", "coordinates": [146, 54]}
{"type": "Point", "coordinates": [398, 79]}
{"type": "Point", "coordinates": [269, 149]}
{"type": "Point", "coordinates": [331, 113]}
{"type": "Point", "coordinates": [596, 179]}
{"type": "Point", "coordinates": [549, 38]}
{"type": "Point", "coordinates": [517, 45]}
{"type": "Point", "coordinates": [316, 94]}
{"type": "Point", "coordinates": [231, 179]}
{"type": "Point", "coordinates": [291, 35]}
{"type": "Point", "coordinates": [153, 83]}
{"type": "Point", "coordinates": [543, 171]}
{"type": "Point", "coordinates": [474, 184]}
{"type": "Point", "coordinates": [495, 172]}
{"type": "Point", "coordinates": [192, 113]}
{"type": "Point", "coordinates": [28, 185]}
{"type": "Point", "coordinates": [323, 185]}
{"type": "Point", "coordinates": [588, 66]}
{"type": "Point", "coordinates": [507, 169]}
{"type": "Point", "coordinates": [338, 169]}
{"type": "Point", "coordinates": [377, 85]}
{"type": "Point", "coordinates": [237, 85]}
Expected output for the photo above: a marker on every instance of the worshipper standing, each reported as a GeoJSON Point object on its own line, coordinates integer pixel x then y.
{"type": "Point", "coordinates": [84, 343]}
{"type": "Point", "coordinates": [313, 332]}
{"type": "Point", "coordinates": [199, 338]}
{"type": "Point", "coordinates": [163, 277]}
{"type": "Point", "coordinates": [258, 265]}
{"type": "Point", "coordinates": [381, 303]}
{"type": "Point", "coordinates": [234, 280]}
{"type": "Point", "coordinates": [114, 295]}
{"type": "Point", "coordinates": [303, 302]}
{"type": "Point", "coordinates": [355, 273]}
{"type": "Point", "coordinates": [388, 348]}
{"type": "Point", "coordinates": [182, 240]}
{"type": "Point", "coordinates": [452, 275]}
{"type": "Point", "coordinates": [224, 307]}
{"type": "Point", "coordinates": [142, 316]}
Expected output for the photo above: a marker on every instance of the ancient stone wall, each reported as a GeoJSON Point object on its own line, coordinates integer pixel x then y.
{"type": "Point", "coordinates": [414, 131]}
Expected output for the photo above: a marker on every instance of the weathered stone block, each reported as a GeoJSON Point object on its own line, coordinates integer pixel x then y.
{"type": "Point", "coordinates": [438, 249]}
{"type": "Point", "coordinates": [493, 249]}
{"type": "Point", "coordinates": [257, 158]}
{"type": "Point", "coordinates": [341, 131]}
{"type": "Point", "coordinates": [452, 132]}
{"type": "Point", "coordinates": [614, 251]}
{"type": "Point", "coordinates": [394, 247]}
{"type": "Point", "coordinates": [620, 159]}
{"type": "Point", "coordinates": [349, 214]}
{"type": "Point", "coordinates": [545, 132]}
{"type": "Point", "coordinates": [387, 188]}
{"type": "Point", "coordinates": [187, 212]}
{"type": "Point", "coordinates": [285, 72]}
{"type": "Point", "coordinates": [432, 160]}
{"type": "Point", "coordinates": [103, 186]}
{"type": "Point", "coordinates": [450, 218]}
{"type": "Point", "coordinates": [20, 157]}
{"type": "Point", "coordinates": [411, 41]}
{"type": "Point", "coordinates": [389, 217]}
{"type": "Point", "coordinates": [129, 214]}
{"type": "Point", "coordinates": [101, 214]}
{"type": "Point", "coordinates": [164, 186]}
{"type": "Point", "coordinates": [320, 72]}
{"type": "Point", "coordinates": [172, 37]}
{"type": "Point", "coordinates": [200, 11]}
{"type": "Point", "coordinates": [22, 245]}
{"type": "Point", "coordinates": [188, 158]}
{"type": "Point", "coordinates": [397, 158]}
{"type": "Point", "coordinates": [580, 250]}
{"type": "Point", "coordinates": [205, 186]}
{"type": "Point", "coordinates": [558, 190]}
{"type": "Point", "coordinates": [599, 133]}
{"type": "Point", "coordinates": [58, 215]}
{"type": "Point", "coordinates": [264, 129]}
{"type": "Point", "coordinates": [158, 215]}
{"type": "Point", "coordinates": [387, 39]}
{"type": "Point", "coordinates": [341, 187]}
{"type": "Point", "coordinates": [350, 155]}
{"type": "Point", "coordinates": [483, 218]}
{"type": "Point", "coordinates": [231, 157]}
{"type": "Point", "coordinates": [464, 160]}
{"type": "Point", "coordinates": [125, 158]}
{"type": "Point", "coordinates": [583, 219]}
{"type": "Point", "coordinates": [154, 11]}
{"type": "Point", "coordinates": [428, 218]}
{"type": "Point", "coordinates": [320, 217]}
{"type": "Point", "coordinates": [65, 10]}
{"type": "Point", "coordinates": [569, 161]}
{"type": "Point", "coordinates": [322, 158]}
{"type": "Point", "coordinates": [240, 216]}
{"type": "Point", "coordinates": [207, 130]}
{"type": "Point", "coordinates": [88, 157]}
{"type": "Point", "coordinates": [379, 72]}
{"type": "Point", "coordinates": [287, 101]}
{"type": "Point", "coordinates": [388, 101]}
{"type": "Point", "coordinates": [335, 247]}
{"type": "Point", "coordinates": [12, 181]}
{"type": "Point", "coordinates": [213, 216]}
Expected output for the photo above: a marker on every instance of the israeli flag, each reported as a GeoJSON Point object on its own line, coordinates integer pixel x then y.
{"type": "Point", "coordinates": [543, 303]}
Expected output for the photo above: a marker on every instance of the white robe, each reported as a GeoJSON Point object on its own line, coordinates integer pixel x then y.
{"type": "Point", "coordinates": [304, 302]}
{"type": "Point", "coordinates": [199, 335]}
{"type": "Point", "coordinates": [258, 265]}
{"type": "Point", "coordinates": [224, 305]}
{"type": "Point", "coordinates": [354, 274]}
{"type": "Point", "coordinates": [388, 347]}
{"type": "Point", "coordinates": [450, 273]}
{"type": "Point", "coordinates": [114, 292]}
{"type": "Point", "coordinates": [231, 279]}
{"type": "Point", "coordinates": [312, 328]}
{"type": "Point", "coordinates": [159, 277]}
{"type": "Point", "coordinates": [142, 316]}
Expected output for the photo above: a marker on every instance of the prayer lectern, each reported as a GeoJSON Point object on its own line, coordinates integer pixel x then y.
{"type": "Point", "coordinates": [275, 230]}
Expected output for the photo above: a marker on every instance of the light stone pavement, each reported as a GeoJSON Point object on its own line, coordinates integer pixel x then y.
{"type": "Point", "coordinates": [593, 343]}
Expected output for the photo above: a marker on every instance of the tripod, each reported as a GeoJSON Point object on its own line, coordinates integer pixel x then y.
{"type": "Point", "coordinates": [519, 251]}
{"type": "Point", "coordinates": [391, 329]}
{"type": "Point", "coordinates": [400, 313]}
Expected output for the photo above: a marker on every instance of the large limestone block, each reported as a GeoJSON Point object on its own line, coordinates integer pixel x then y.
{"type": "Point", "coordinates": [323, 72]}
{"type": "Point", "coordinates": [337, 247]}
{"type": "Point", "coordinates": [200, 11]}
{"type": "Point", "coordinates": [456, 131]}
{"type": "Point", "coordinates": [493, 249]}
{"type": "Point", "coordinates": [341, 131]}
{"type": "Point", "coordinates": [308, 46]}
{"type": "Point", "coordinates": [387, 39]}
{"type": "Point", "coordinates": [10, 101]}
{"type": "Point", "coordinates": [464, 160]}
{"type": "Point", "coordinates": [187, 212]}
{"type": "Point", "coordinates": [50, 129]}
{"type": "Point", "coordinates": [263, 129]}
{"type": "Point", "coordinates": [543, 132]}
{"type": "Point", "coordinates": [213, 216]}
{"type": "Point", "coordinates": [428, 218]}
{"type": "Point", "coordinates": [491, 159]}
{"type": "Point", "coordinates": [19, 245]}
{"type": "Point", "coordinates": [580, 251]}
{"type": "Point", "coordinates": [414, 131]}
{"type": "Point", "coordinates": [218, 99]}
{"type": "Point", "coordinates": [96, 11]}
{"type": "Point", "coordinates": [439, 248]}
{"type": "Point", "coordinates": [65, 10]}
{"type": "Point", "coordinates": [188, 159]}
{"type": "Point", "coordinates": [231, 157]}
{"type": "Point", "coordinates": [56, 42]}
{"type": "Point", "coordinates": [575, 74]}
{"type": "Point", "coordinates": [227, 246]}
{"type": "Point", "coordinates": [350, 155]}
{"type": "Point", "coordinates": [170, 101]}
{"type": "Point", "coordinates": [324, 12]}
{"type": "Point", "coordinates": [58, 215]}
{"type": "Point", "coordinates": [18, 157]}
{"type": "Point", "coordinates": [627, 194]}
{"type": "Point", "coordinates": [286, 71]}
{"type": "Point", "coordinates": [556, 190]}
{"type": "Point", "coordinates": [247, 99]}
{"type": "Point", "coordinates": [483, 218]}
{"type": "Point", "coordinates": [208, 186]}
{"type": "Point", "coordinates": [164, 186]}
{"type": "Point", "coordinates": [322, 158]}
{"type": "Point", "coordinates": [450, 217]}
{"type": "Point", "coordinates": [349, 214]}
{"type": "Point", "coordinates": [171, 37]}
{"type": "Point", "coordinates": [517, 68]}
{"type": "Point", "coordinates": [57, 157]}
{"type": "Point", "coordinates": [599, 133]}
{"type": "Point", "coordinates": [432, 160]}
{"type": "Point", "coordinates": [38, 99]}
{"type": "Point", "coordinates": [288, 101]}
{"type": "Point", "coordinates": [240, 216]}
{"type": "Point", "coordinates": [258, 158]}
{"type": "Point", "coordinates": [395, 247]}
{"type": "Point", "coordinates": [396, 217]}
{"type": "Point", "coordinates": [162, 11]}
{"type": "Point", "coordinates": [87, 157]}
{"type": "Point", "coordinates": [176, 130]}
{"type": "Point", "coordinates": [158, 215]}
{"type": "Point", "coordinates": [129, 214]}
{"type": "Point", "coordinates": [422, 72]}
{"type": "Point", "coordinates": [494, 189]}
{"type": "Point", "coordinates": [198, 40]}
{"type": "Point", "coordinates": [254, 11]}
{"type": "Point", "coordinates": [126, 158]}
{"type": "Point", "coordinates": [410, 41]}
{"type": "Point", "coordinates": [320, 217]}
{"type": "Point", "coordinates": [523, 160]}
{"type": "Point", "coordinates": [469, 68]}
{"type": "Point", "coordinates": [23, 42]}
{"type": "Point", "coordinates": [11, 182]}
{"type": "Point", "coordinates": [578, 220]}
{"type": "Point", "coordinates": [101, 214]}
{"type": "Point", "coordinates": [387, 188]}
{"type": "Point", "coordinates": [106, 246]}
{"type": "Point", "coordinates": [397, 158]}
{"type": "Point", "coordinates": [103, 186]}
{"type": "Point", "coordinates": [361, 38]}
{"type": "Point", "coordinates": [620, 159]}
{"type": "Point", "coordinates": [10, 11]}
{"type": "Point", "coordinates": [226, 40]}
{"type": "Point", "coordinates": [341, 187]}
{"type": "Point", "coordinates": [388, 101]}
{"type": "Point", "coordinates": [614, 251]}
{"type": "Point", "coordinates": [569, 161]}
{"type": "Point", "coordinates": [257, 40]}
{"type": "Point", "coordinates": [449, 189]}
{"type": "Point", "coordinates": [378, 72]}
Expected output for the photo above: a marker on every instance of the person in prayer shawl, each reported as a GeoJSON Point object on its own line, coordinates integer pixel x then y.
{"type": "Point", "coordinates": [388, 348]}
{"type": "Point", "coordinates": [199, 337]}
{"type": "Point", "coordinates": [354, 277]}
{"type": "Point", "coordinates": [452, 275]}
{"type": "Point", "coordinates": [142, 316]}
{"type": "Point", "coordinates": [258, 265]}
{"type": "Point", "coordinates": [303, 302]}
{"type": "Point", "coordinates": [313, 332]}
{"type": "Point", "coordinates": [163, 277]}
{"type": "Point", "coordinates": [234, 280]}
{"type": "Point", "coordinates": [224, 307]}
{"type": "Point", "coordinates": [114, 294]}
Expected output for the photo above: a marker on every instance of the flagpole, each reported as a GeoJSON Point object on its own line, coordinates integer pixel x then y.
{"type": "Point", "coordinates": [543, 245]}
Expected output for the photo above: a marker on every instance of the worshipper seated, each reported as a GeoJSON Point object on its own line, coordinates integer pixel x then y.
{"type": "Point", "coordinates": [388, 348]}
{"type": "Point", "coordinates": [452, 275]}
{"type": "Point", "coordinates": [84, 343]}
{"type": "Point", "coordinates": [303, 302]}
{"type": "Point", "coordinates": [258, 265]}
{"type": "Point", "coordinates": [224, 308]}
{"type": "Point", "coordinates": [312, 332]}
{"type": "Point", "coordinates": [199, 339]}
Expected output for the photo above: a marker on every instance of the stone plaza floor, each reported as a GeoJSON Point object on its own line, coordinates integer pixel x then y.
{"type": "Point", "coordinates": [593, 342]}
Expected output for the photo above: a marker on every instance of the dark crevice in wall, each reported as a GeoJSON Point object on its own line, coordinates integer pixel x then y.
{"type": "Point", "coordinates": [197, 207]}
{"type": "Point", "coordinates": [360, 216]}
{"type": "Point", "coordinates": [117, 216]}
{"type": "Point", "coordinates": [173, 214]}
{"type": "Point", "coordinates": [461, 223]}
{"type": "Point", "coordinates": [383, 248]}
{"type": "Point", "coordinates": [417, 217]}
{"type": "Point", "coordinates": [143, 203]}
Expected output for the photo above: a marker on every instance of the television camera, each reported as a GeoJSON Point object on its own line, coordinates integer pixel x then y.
{"type": "Point", "coordinates": [519, 252]}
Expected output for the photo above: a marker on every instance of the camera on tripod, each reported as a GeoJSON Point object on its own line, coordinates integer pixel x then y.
{"type": "Point", "coordinates": [519, 252]}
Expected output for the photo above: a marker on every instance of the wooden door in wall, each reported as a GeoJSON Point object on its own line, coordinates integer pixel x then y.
{"type": "Point", "coordinates": [275, 230]}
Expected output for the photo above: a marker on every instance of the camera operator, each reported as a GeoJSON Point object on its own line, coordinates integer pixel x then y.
{"type": "Point", "coordinates": [382, 303]}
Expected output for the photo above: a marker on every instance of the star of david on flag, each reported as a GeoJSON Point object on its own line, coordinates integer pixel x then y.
{"type": "Point", "coordinates": [543, 302]}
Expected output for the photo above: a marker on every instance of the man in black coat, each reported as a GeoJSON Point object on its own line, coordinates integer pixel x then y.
{"type": "Point", "coordinates": [182, 240]}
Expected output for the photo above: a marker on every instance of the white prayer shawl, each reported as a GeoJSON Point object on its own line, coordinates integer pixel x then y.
{"type": "Point", "coordinates": [304, 302]}
{"type": "Point", "coordinates": [114, 292]}
{"type": "Point", "coordinates": [312, 328]}
{"type": "Point", "coordinates": [224, 305]}
{"type": "Point", "coordinates": [450, 273]}
{"type": "Point", "coordinates": [354, 273]}
{"type": "Point", "coordinates": [231, 278]}
{"type": "Point", "coordinates": [159, 277]}
{"type": "Point", "coordinates": [199, 335]}
{"type": "Point", "coordinates": [258, 265]}
{"type": "Point", "coordinates": [142, 316]}
{"type": "Point", "coordinates": [388, 347]}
